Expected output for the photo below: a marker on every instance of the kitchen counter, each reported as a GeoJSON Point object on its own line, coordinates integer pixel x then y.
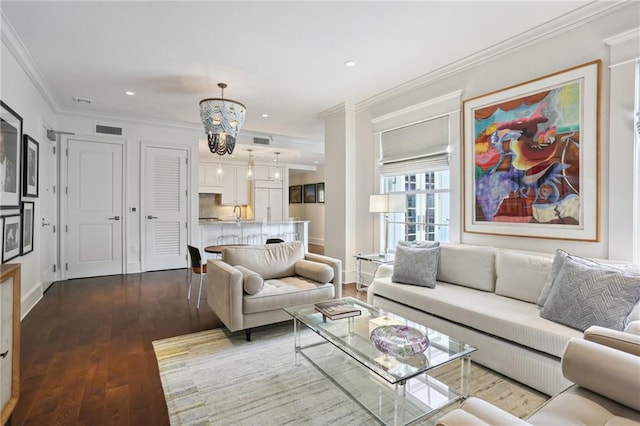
{"type": "Point", "coordinates": [216, 231]}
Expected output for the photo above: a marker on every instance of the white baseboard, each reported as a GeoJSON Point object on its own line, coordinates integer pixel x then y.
{"type": "Point", "coordinates": [133, 268]}
{"type": "Point", "coordinates": [316, 241]}
{"type": "Point", "coordinates": [30, 300]}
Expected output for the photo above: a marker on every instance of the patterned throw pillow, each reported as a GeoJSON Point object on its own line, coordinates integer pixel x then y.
{"type": "Point", "coordinates": [583, 295]}
{"type": "Point", "coordinates": [419, 244]}
{"type": "Point", "coordinates": [417, 266]}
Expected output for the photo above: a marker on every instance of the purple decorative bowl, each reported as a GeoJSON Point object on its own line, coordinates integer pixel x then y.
{"type": "Point", "coordinates": [399, 340]}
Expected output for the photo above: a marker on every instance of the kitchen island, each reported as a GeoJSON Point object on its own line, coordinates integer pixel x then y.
{"type": "Point", "coordinates": [214, 232]}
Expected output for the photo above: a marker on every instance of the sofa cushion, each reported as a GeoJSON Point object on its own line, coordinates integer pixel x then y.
{"type": "Point", "coordinates": [507, 318]}
{"type": "Point", "coordinates": [285, 292]}
{"type": "Point", "coordinates": [417, 266]}
{"type": "Point", "coordinates": [521, 275]}
{"type": "Point", "coordinates": [270, 260]}
{"type": "Point", "coordinates": [252, 282]}
{"type": "Point", "coordinates": [583, 295]}
{"type": "Point", "coordinates": [316, 271]}
{"type": "Point", "coordinates": [467, 265]}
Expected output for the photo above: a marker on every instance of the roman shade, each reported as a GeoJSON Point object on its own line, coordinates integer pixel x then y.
{"type": "Point", "coordinates": [415, 148]}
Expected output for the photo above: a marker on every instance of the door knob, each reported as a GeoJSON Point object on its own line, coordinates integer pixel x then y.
{"type": "Point", "coordinates": [45, 223]}
{"type": "Point", "coordinates": [152, 217]}
{"type": "Point", "coordinates": [114, 218]}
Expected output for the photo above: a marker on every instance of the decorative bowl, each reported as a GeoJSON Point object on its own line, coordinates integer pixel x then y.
{"type": "Point", "coordinates": [399, 340]}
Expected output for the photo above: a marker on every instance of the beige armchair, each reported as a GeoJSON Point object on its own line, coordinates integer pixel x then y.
{"type": "Point", "coordinates": [250, 285]}
{"type": "Point", "coordinates": [605, 367]}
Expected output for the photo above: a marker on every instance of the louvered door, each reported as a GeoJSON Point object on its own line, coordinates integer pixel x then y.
{"type": "Point", "coordinates": [165, 208]}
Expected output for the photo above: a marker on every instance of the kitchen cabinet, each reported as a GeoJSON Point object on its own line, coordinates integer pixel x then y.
{"type": "Point", "coordinates": [267, 199]}
{"type": "Point", "coordinates": [235, 186]}
{"type": "Point", "coordinates": [208, 178]}
{"type": "Point", "coordinates": [262, 172]}
{"type": "Point", "coordinates": [9, 339]}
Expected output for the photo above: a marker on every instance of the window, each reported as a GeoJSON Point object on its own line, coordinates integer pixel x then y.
{"type": "Point", "coordinates": [427, 207]}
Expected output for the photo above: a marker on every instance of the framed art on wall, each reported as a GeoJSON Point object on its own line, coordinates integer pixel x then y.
{"type": "Point", "coordinates": [27, 227]}
{"type": "Point", "coordinates": [10, 237]}
{"type": "Point", "coordinates": [531, 158]}
{"type": "Point", "coordinates": [30, 158]}
{"type": "Point", "coordinates": [320, 192]}
{"type": "Point", "coordinates": [310, 193]}
{"type": "Point", "coordinates": [10, 150]}
{"type": "Point", "coordinates": [295, 194]}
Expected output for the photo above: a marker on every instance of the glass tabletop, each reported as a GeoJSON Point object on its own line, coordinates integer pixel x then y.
{"type": "Point", "coordinates": [378, 258]}
{"type": "Point", "coordinates": [352, 336]}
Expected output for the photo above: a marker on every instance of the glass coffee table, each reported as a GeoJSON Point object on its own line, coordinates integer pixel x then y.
{"type": "Point", "coordinates": [394, 390]}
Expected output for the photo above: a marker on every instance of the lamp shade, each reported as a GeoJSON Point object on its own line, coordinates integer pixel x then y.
{"type": "Point", "coordinates": [386, 203]}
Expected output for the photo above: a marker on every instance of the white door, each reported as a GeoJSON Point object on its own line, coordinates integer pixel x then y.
{"type": "Point", "coordinates": [94, 191]}
{"type": "Point", "coordinates": [275, 204]}
{"type": "Point", "coordinates": [48, 171]}
{"type": "Point", "coordinates": [164, 208]}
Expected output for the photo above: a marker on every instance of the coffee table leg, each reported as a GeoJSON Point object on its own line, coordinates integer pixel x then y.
{"type": "Point", "coordinates": [465, 376]}
{"type": "Point", "coordinates": [296, 340]}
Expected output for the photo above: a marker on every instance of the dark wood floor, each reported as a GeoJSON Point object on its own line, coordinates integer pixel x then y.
{"type": "Point", "coordinates": [86, 348]}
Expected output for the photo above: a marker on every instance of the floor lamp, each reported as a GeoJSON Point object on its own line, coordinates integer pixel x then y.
{"type": "Point", "coordinates": [386, 203]}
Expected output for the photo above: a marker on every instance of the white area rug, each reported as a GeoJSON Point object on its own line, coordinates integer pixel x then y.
{"type": "Point", "coordinates": [217, 377]}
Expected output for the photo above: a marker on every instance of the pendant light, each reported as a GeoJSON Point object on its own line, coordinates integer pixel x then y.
{"type": "Point", "coordinates": [276, 176]}
{"type": "Point", "coordinates": [219, 170]}
{"type": "Point", "coordinates": [251, 166]}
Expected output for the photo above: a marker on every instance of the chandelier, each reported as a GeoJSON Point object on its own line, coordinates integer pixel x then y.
{"type": "Point", "coordinates": [222, 119]}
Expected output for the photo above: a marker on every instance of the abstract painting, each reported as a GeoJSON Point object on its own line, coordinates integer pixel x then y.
{"type": "Point", "coordinates": [531, 158]}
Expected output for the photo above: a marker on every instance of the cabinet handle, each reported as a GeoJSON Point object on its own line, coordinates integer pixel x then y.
{"type": "Point", "coordinates": [114, 218]}
{"type": "Point", "coordinates": [4, 354]}
{"type": "Point", "coordinates": [152, 217]}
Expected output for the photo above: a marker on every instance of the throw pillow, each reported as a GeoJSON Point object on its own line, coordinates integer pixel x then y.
{"type": "Point", "coordinates": [584, 295]}
{"type": "Point", "coordinates": [558, 261]}
{"type": "Point", "coordinates": [417, 266]}
{"type": "Point", "coordinates": [315, 271]}
{"type": "Point", "coordinates": [419, 244]}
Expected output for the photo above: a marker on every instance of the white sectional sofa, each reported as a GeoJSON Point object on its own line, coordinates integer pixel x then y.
{"type": "Point", "coordinates": [486, 296]}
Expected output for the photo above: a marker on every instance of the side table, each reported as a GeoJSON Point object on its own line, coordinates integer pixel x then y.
{"type": "Point", "coordinates": [377, 259]}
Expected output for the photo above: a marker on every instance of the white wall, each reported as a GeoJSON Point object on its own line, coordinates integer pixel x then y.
{"type": "Point", "coordinates": [578, 45]}
{"type": "Point", "coordinates": [19, 93]}
{"type": "Point", "coordinates": [313, 212]}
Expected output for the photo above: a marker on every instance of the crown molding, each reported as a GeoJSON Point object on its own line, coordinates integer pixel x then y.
{"type": "Point", "coordinates": [342, 108]}
{"type": "Point", "coordinates": [25, 60]}
{"type": "Point", "coordinates": [552, 28]}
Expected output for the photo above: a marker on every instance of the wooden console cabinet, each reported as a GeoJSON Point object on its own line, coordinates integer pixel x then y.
{"type": "Point", "coordinates": [9, 339]}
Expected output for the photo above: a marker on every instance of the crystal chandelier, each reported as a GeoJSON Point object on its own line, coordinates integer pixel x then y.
{"type": "Point", "coordinates": [222, 119]}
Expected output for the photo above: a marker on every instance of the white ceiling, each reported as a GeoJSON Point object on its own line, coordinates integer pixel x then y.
{"type": "Point", "coordinates": [285, 59]}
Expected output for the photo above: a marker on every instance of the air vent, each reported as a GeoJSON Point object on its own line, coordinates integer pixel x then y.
{"type": "Point", "coordinates": [108, 130]}
{"type": "Point", "coordinates": [261, 141]}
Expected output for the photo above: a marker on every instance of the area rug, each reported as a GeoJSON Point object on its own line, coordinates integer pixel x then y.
{"type": "Point", "coordinates": [217, 377]}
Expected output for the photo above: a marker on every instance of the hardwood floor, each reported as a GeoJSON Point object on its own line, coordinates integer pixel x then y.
{"type": "Point", "coordinates": [86, 348]}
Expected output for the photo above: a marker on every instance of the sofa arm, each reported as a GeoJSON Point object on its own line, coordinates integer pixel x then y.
{"type": "Point", "coordinates": [603, 370]}
{"type": "Point", "coordinates": [225, 293]}
{"type": "Point", "coordinates": [477, 412]}
{"type": "Point", "coordinates": [620, 340]}
{"type": "Point", "coordinates": [336, 265]}
{"type": "Point", "coordinates": [383, 271]}
{"type": "Point", "coordinates": [633, 327]}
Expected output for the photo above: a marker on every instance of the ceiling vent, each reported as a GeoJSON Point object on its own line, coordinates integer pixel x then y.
{"type": "Point", "coordinates": [261, 141]}
{"type": "Point", "coordinates": [108, 130]}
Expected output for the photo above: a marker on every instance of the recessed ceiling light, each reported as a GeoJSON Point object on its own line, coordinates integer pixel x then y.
{"type": "Point", "coordinates": [316, 161]}
{"type": "Point", "coordinates": [129, 93]}
{"type": "Point", "coordinates": [265, 115]}
{"type": "Point", "coordinates": [350, 63]}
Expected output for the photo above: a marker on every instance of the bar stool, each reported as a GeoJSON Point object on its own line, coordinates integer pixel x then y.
{"type": "Point", "coordinates": [196, 268]}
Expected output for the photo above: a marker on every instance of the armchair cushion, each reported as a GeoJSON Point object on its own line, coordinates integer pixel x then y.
{"type": "Point", "coordinates": [252, 282]}
{"type": "Point", "coordinates": [270, 260]}
{"type": "Point", "coordinates": [315, 271]}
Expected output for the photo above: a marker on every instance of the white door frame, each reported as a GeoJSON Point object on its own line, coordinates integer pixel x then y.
{"type": "Point", "coordinates": [64, 163]}
{"type": "Point", "coordinates": [141, 226]}
{"type": "Point", "coordinates": [54, 145]}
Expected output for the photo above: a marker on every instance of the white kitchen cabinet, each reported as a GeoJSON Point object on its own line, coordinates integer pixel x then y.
{"type": "Point", "coordinates": [235, 186]}
{"type": "Point", "coordinates": [268, 201]}
{"type": "Point", "coordinates": [208, 178]}
{"type": "Point", "coordinates": [9, 339]}
{"type": "Point", "coordinates": [263, 172]}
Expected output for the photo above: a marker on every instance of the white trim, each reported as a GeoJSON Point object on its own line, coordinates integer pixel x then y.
{"type": "Point", "coordinates": [552, 28]}
{"type": "Point", "coordinates": [30, 300]}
